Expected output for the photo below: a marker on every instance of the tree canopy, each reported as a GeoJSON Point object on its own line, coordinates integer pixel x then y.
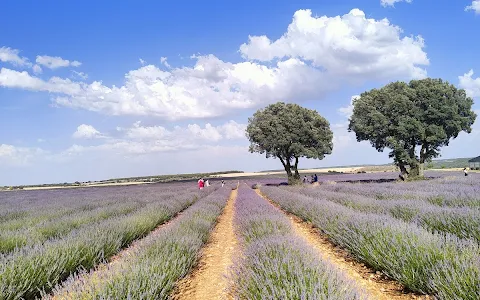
{"type": "Point", "coordinates": [414, 120]}
{"type": "Point", "coordinates": [288, 132]}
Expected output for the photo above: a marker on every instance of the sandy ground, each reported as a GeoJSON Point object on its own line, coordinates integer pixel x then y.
{"type": "Point", "coordinates": [376, 285]}
{"type": "Point", "coordinates": [322, 170]}
{"type": "Point", "coordinates": [208, 280]}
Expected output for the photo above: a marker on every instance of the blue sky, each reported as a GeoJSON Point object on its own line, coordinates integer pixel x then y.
{"type": "Point", "coordinates": [91, 90]}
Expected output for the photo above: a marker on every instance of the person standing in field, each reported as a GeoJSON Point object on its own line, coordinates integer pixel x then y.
{"type": "Point", "coordinates": [223, 182]}
{"type": "Point", "coordinates": [200, 184]}
{"type": "Point", "coordinates": [315, 178]}
{"type": "Point", "coordinates": [207, 183]}
{"type": "Point", "coordinates": [465, 171]}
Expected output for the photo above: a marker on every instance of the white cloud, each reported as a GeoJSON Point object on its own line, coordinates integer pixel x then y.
{"type": "Point", "coordinates": [233, 130]}
{"type": "Point", "coordinates": [470, 84]}
{"type": "Point", "coordinates": [54, 62]}
{"type": "Point", "coordinates": [142, 62]}
{"type": "Point", "coordinates": [10, 55]}
{"type": "Point", "coordinates": [139, 139]}
{"type": "Point", "coordinates": [193, 132]}
{"type": "Point", "coordinates": [37, 69]}
{"type": "Point", "coordinates": [16, 79]}
{"type": "Point", "coordinates": [40, 140]}
{"type": "Point", "coordinates": [348, 45]}
{"type": "Point", "coordinates": [475, 6]}
{"type": "Point", "coordinates": [386, 3]}
{"type": "Point", "coordinates": [87, 132]}
{"type": "Point", "coordinates": [12, 155]}
{"type": "Point", "coordinates": [163, 60]}
{"type": "Point", "coordinates": [80, 75]}
{"type": "Point", "coordinates": [211, 88]}
{"type": "Point", "coordinates": [347, 111]}
{"type": "Point", "coordinates": [314, 57]}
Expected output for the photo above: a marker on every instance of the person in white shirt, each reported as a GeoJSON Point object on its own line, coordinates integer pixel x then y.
{"type": "Point", "coordinates": [465, 171]}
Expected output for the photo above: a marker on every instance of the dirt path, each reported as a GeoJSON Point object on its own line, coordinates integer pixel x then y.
{"type": "Point", "coordinates": [208, 280]}
{"type": "Point", "coordinates": [376, 284]}
{"type": "Point", "coordinates": [120, 257]}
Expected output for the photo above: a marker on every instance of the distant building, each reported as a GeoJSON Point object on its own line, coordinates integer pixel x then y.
{"type": "Point", "coordinates": [474, 163]}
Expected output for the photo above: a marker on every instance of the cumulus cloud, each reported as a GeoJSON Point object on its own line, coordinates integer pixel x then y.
{"type": "Point", "coordinates": [37, 69]}
{"type": "Point", "coordinates": [475, 6]}
{"type": "Point", "coordinates": [9, 55]}
{"type": "Point", "coordinates": [315, 56]}
{"type": "Point", "coordinates": [139, 139]}
{"type": "Point", "coordinates": [348, 45]}
{"type": "Point", "coordinates": [386, 3]}
{"type": "Point", "coordinates": [347, 111]}
{"type": "Point", "coordinates": [470, 84]}
{"type": "Point", "coordinates": [12, 155]}
{"type": "Point", "coordinates": [54, 62]}
{"type": "Point", "coordinates": [85, 131]}
{"type": "Point", "coordinates": [16, 79]}
{"type": "Point", "coordinates": [192, 132]}
{"type": "Point", "coordinates": [210, 89]}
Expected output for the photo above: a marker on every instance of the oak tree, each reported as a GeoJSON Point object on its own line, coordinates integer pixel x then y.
{"type": "Point", "coordinates": [288, 132]}
{"type": "Point", "coordinates": [414, 120]}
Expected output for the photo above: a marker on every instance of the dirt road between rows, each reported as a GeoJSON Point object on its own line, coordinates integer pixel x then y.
{"type": "Point", "coordinates": [208, 280]}
{"type": "Point", "coordinates": [375, 284]}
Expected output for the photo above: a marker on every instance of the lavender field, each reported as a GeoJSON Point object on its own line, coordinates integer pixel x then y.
{"type": "Point", "coordinates": [423, 235]}
{"type": "Point", "coordinates": [46, 236]}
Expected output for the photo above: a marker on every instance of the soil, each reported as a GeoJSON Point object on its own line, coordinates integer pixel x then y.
{"type": "Point", "coordinates": [377, 285]}
{"type": "Point", "coordinates": [208, 280]}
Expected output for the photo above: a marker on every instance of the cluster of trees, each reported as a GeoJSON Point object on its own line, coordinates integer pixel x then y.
{"type": "Point", "coordinates": [413, 120]}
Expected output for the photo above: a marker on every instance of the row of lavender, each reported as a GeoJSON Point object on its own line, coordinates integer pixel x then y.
{"type": "Point", "coordinates": [451, 177]}
{"type": "Point", "coordinates": [28, 270]}
{"type": "Point", "coordinates": [152, 269]}
{"type": "Point", "coordinates": [31, 217]}
{"type": "Point", "coordinates": [275, 263]}
{"type": "Point", "coordinates": [452, 191]}
{"type": "Point", "coordinates": [440, 264]}
{"type": "Point", "coordinates": [464, 222]}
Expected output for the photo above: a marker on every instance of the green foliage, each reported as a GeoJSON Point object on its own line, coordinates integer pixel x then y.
{"type": "Point", "coordinates": [425, 113]}
{"type": "Point", "coordinates": [448, 163]}
{"type": "Point", "coordinates": [288, 132]}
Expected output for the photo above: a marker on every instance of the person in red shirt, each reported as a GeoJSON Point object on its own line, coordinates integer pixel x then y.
{"type": "Point", "coordinates": [200, 184]}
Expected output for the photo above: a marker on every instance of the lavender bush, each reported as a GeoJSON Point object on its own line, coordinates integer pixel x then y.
{"type": "Point", "coordinates": [276, 264]}
{"type": "Point", "coordinates": [153, 269]}
{"type": "Point", "coordinates": [451, 191]}
{"type": "Point", "coordinates": [28, 270]}
{"type": "Point", "coordinates": [463, 222]}
{"type": "Point", "coordinates": [443, 265]}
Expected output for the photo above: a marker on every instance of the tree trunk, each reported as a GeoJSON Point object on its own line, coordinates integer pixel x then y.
{"type": "Point", "coordinates": [421, 170]}
{"type": "Point", "coordinates": [403, 170]}
{"type": "Point", "coordinates": [288, 168]}
{"type": "Point", "coordinates": [296, 176]}
{"type": "Point", "coordinates": [417, 169]}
